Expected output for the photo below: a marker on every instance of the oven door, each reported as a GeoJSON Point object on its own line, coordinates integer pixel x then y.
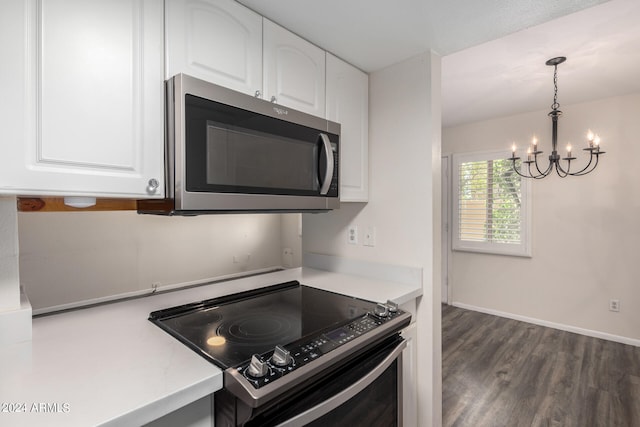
{"type": "Point", "coordinates": [365, 391]}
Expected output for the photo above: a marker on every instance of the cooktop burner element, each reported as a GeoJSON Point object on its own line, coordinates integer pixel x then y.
{"type": "Point", "coordinates": [265, 327]}
{"type": "Point", "coordinates": [278, 335]}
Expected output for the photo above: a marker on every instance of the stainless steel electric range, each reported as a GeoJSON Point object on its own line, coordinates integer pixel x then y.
{"type": "Point", "coordinates": [297, 355]}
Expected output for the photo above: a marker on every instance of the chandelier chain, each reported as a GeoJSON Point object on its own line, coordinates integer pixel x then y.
{"type": "Point", "coordinates": [555, 104]}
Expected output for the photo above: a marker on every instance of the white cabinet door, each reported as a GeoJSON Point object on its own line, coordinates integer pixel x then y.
{"type": "Point", "coordinates": [196, 414]}
{"type": "Point", "coordinates": [215, 40]}
{"type": "Point", "coordinates": [294, 70]}
{"type": "Point", "coordinates": [85, 106]}
{"type": "Point", "coordinates": [348, 104]}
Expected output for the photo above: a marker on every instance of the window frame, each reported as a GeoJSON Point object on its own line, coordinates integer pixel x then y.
{"type": "Point", "coordinates": [522, 249]}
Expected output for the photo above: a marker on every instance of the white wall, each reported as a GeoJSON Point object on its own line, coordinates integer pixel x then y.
{"type": "Point", "coordinates": [585, 229]}
{"type": "Point", "coordinates": [15, 310]}
{"type": "Point", "coordinates": [404, 131]}
{"type": "Point", "coordinates": [9, 274]}
{"type": "Point", "coordinates": [74, 256]}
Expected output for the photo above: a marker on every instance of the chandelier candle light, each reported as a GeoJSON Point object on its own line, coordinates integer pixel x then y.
{"type": "Point", "coordinates": [532, 168]}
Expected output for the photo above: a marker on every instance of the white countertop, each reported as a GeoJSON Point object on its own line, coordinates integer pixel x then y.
{"type": "Point", "coordinates": [108, 365]}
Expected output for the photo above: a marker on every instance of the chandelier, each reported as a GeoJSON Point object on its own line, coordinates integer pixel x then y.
{"type": "Point", "coordinates": [530, 168]}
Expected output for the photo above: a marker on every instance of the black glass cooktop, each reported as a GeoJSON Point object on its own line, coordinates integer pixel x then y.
{"type": "Point", "coordinates": [230, 329]}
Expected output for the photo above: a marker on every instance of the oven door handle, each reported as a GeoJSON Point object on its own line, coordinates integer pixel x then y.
{"type": "Point", "coordinates": [346, 394]}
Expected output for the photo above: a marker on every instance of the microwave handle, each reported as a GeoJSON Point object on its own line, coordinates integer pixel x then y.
{"type": "Point", "coordinates": [328, 174]}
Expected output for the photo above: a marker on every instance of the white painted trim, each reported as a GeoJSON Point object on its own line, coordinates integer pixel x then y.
{"type": "Point", "coordinates": [15, 325]}
{"type": "Point", "coordinates": [446, 197]}
{"type": "Point", "coordinates": [560, 326]}
{"type": "Point", "coordinates": [144, 292]}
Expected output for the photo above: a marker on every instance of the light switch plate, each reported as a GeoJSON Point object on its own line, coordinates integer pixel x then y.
{"type": "Point", "coordinates": [370, 236]}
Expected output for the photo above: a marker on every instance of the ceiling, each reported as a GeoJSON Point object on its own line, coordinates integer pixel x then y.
{"type": "Point", "coordinates": [493, 50]}
{"type": "Point", "coordinates": [509, 76]}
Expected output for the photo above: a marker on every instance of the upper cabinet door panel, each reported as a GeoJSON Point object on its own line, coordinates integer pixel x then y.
{"type": "Point", "coordinates": [90, 59]}
{"type": "Point", "coordinates": [294, 70]}
{"type": "Point", "coordinates": [215, 40]}
{"type": "Point", "coordinates": [92, 107]}
{"type": "Point", "coordinates": [348, 104]}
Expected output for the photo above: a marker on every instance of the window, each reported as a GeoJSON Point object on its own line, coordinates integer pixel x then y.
{"type": "Point", "coordinates": [491, 205]}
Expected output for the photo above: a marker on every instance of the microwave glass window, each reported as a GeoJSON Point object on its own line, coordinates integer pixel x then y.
{"type": "Point", "coordinates": [231, 150]}
{"type": "Point", "coordinates": [247, 158]}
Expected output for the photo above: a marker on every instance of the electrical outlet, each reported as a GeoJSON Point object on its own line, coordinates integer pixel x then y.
{"type": "Point", "coordinates": [352, 235]}
{"type": "Point", "coordinates": [287, 257]}
{"type": "Point", "coordinates": [240, 259]}
{"type": "Point", "coordinates": [154, 287]}
{"type": "Point", "coordinates": [614, 305]}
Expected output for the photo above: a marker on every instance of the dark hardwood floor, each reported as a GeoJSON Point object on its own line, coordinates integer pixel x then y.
{"type": "Point", "coordinates": [501, 372]}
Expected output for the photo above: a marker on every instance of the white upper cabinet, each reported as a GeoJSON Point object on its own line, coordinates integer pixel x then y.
{"type": "Point", "coordinates": [219, 41]}
{"type": "Point", "coordinates": [348, 104]}
{"type": "Point", "coordinates": [82, 102]}
{"type": "Point", "coordinates": [294, 70]}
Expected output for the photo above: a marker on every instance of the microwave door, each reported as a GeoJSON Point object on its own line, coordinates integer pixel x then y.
{"type": "Point", "coordinates": [229, 152]}
{"type": "Point", "coordinates": [328, 162]}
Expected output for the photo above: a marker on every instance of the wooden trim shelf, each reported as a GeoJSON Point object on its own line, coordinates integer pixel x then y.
{"type": "Point", "coordinates": [56, 204]}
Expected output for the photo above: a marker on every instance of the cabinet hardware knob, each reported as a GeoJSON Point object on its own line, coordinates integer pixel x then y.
{"type": "Point", "coordinates": [274, 99]}
{"type": "Point", "coordinates": [258, 94]}
{"type": "Point", "coordinates": [152, 186]}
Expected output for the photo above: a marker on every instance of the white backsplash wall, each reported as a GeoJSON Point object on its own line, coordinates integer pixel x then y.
{"type": "Point", "coordinates": [292, 240]}
{"type": "Point", "coordinates": [67, 257]}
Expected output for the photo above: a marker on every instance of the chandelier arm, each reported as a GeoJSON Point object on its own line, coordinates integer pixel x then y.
{"type": "Point", "coordinates": [518, 172]}
{"type": "Point", "coordinates": [585, 171]}
{"type": "Point", "coordinates": [538, 168]}
{"type": "Point", "coordinates": [560, 170]}
{"type": "Point", "coordinates": [539, 176]}
{"type": "Point", "coordinates": [531, 175]}
{"type": "Point", "coordinates": [547, 171]}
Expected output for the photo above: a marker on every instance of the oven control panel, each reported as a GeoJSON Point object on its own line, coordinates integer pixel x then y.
{"type": "Point", "coordinates": [263, 369]}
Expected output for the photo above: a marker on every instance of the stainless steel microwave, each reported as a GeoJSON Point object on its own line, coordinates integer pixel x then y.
{"type": "Point", "coordinates": [231, 152]}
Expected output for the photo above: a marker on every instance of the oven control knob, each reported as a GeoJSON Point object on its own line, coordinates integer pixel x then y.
{"type": "Point", "coordinates": [258, 368]}
{"type": "Point", "coordinates": [281, 357]}
{"type": "Point", "coordinates": [381, 310]}
{"type": "Point", "coordinates": [393, 307]}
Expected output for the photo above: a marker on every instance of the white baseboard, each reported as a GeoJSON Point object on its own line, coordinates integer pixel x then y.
{"type": "Point", "coordinates": [560, 326]}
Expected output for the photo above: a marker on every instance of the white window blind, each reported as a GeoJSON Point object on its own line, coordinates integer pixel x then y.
{"type": "Point", "coordinates": [491, 205]}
